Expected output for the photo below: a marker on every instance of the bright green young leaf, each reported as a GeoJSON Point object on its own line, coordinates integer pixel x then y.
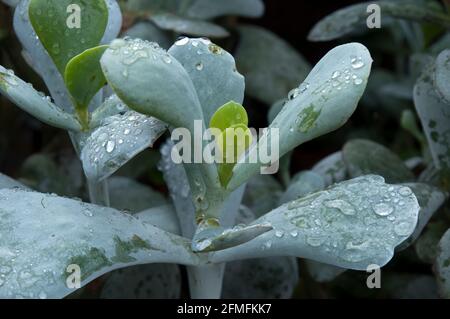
{"type": "Point", "coordinates": [321, 104]}
{"type": "Point", "coordinates": [53, 233]}
{"type": "Point", "coordinates": [364, 157]}
{"type": "Point", "coordinates": [331, 226]}
{"type": "Point", "coordinates": [68, 27]}
{"type": "Point", "coordinates": [229, 114]}
{"type": "Point", "coordinates": [84, 78]}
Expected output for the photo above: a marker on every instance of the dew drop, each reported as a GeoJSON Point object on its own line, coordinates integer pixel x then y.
{"type": "Point", "coordinates": [199, 66]}
{"type": "Point", "coordinates": [294, 233]}
{"type": "Point", "coordinates": [404, 191]}
{"type": "Point", "coordinates": [358, 81]}
{"type": "Point", "coordinates": [110, 145]}
{"type": "Point", "coordinates": [279, 234]}
{"type": "Point", "coordinates": [357, 63]}
{"type": "Point", "coordinates": [182, 41]}
{"type": "Point", "coordinates": [343, 206]}
{"type": "Point", "coordinates": [403, 229]}
{"type": "Point", "coordinates": [383, 209]}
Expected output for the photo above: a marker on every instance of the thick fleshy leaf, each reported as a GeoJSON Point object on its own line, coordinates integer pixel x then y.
{"type": "Point", "coordinates": [206, 9]}
{"type": "Point", "coordinates": [351, 225]}
{"type": "Point", "coordinates": [434, 115]}
{"type": "Point", "coordinates": [8, 182]}
{"type": "Point", "coordinates": [163, 217]}
{"type": "Point", "coordinates": [263, 278]}
{"type": "Point", "coordinates": [270, 65]}
{"type": "Point", "coordinates": [321, 272]}
{"type": "Point", "coordinates": [155, 281]}
{"type": "Point", "coordinates": [213, 72]}
{"type": "Point", "coordinates": [332, 168]}
{"type": "Point", "coordinates": [302, 184]}
{"type": "Point", "coordinates": [28, 99]}
{"type": "Point", "coordinates": [52, 233]}
{"type": "Point", "coordinates": [111, 106]}
{"type": "Point", "coordinates": [182, 25]}
{"type": "Point", "coordinates": [65, 36]}
{"type": "Point", "coordinates": [262, 194]}
{"type": "Point", "coordinates": [426, 246]}
{"type": "Point", "coordinates": [151, 81]}
{"type": "Point", "coordinates": [127, 194]}
{"type": "Point", "coordinates": [430, 200]}
{"type": "Point", "coordinates": [354, 18]}
{"type": "Point", "coordinates": [116, 142]}
{"type": "Point", "coordinates": [443, 265]}
{"type": "Point", "coordinates": [84, 78]}
{"type": "Point", "coordinates": [366, 157]}
{"type": "Point", "coordinates": [442, 77]}
{"type": "Point", "coordinates": [146, 30]}
{"type": "Point", "coordinates": [321, 104]}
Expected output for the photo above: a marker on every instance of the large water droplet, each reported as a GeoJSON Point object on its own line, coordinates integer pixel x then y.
{"type": "Point", "coordinates": [357, 63]}
{"type": "Point", "coordinates": [383, 209]}
{"type": "Point", "coordinates": [110, 145]}
{"type": "Point", "coordinates": [182, 41]}
{"type": "Point", "coordinates": [343, 206]}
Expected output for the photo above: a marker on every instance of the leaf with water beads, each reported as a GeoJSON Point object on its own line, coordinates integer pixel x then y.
{"type": "Point", "coordinates": [321, 104]}
{"type": "Point", "coordinates": [50, 233]}
{"type": "Point", "coordinates": [117, 141]}
{"type": "Point", "coordinates": [351, 225]}
{"type": "Point", "coordinates": [37, 104]}
{"type": "Point", "coordinates": [149, 80]}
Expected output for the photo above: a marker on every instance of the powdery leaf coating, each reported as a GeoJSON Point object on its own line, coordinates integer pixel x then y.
{"type": "Point", "coordinates": [213, 72]}
{"type": "Point", "coordinates": [443, 265]}
{"type": "Point", "coordinates": [351, 225]}
{"type": "Point", "coordinates": [353, 18]}
{"type": "Point", "coordinates": [42, 234]}
{"type": "Point", "coordinates": [31, 101]}
{"type": "Point", "coordinates": [8, 182]}
{"type": "Point", "coordinates": [332, 168]}
{"type": "Point", "coordinates": [183, 25]}
{"type": "Point", "coordinates": [118, 140]}
{"type": "Point", "coordinates": [151, 81]}
{"type": "Point", "coordinates": [366, 157]}
{"type": "Point", "coordinates": [207, 9]}
{"type": "Point", "coordinates": [434, 115]}
{"type": "Point", "coordinates": [155, 281]}
{"type": "Point", "coordinates": [270, 65]}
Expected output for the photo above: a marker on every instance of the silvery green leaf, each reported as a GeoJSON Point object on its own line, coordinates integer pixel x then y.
{"type": "Point", "coordinates": [262, 194]}
{"type": "Point", "coordinates": [127, 194]}
{"type": "Point", "coordinates": [275, 110]}
{"type": "Point", "coordinates": [270, 65]}
{"type": "Point", "coordinates": [183, 25]}
{"type": "Point", "coordinates": [366, 157]}
{"type": "Point", "coordinates": [351, 225]}
{"type": "Point", "coordinates": [111, 106]}
{"type": "Point", "coordinates": [321, 104]}
{"type": "Point", "coordinates": [353, 18]}
{"type": "Point", "coordinates": [155, 281]}
{"type": "Point", "coordinates": [441, 44]}
{"type": "Point", "coordinates": [213, 72]}
{"type": "Point", "coordinates": [430, 199]}
{"type": "Point", "coordinates": [207, 9]}
{"type": "Point", "coordinates": [52, 233]}
{"type": "Point", "coordinates": [302, 184]}
{"type": "Point", "coordinates": [8, 182]}
{"type": "Point", "coordinates": [321, 272]}
{"type": "Point", "coordinates": [434, 115]}
{"type": "Point", "coordinates": [114, 24]}
{"type": "Point", "coordinates": [442, 75]}
{"type": "Point", "coordinates": [152, 82]}
{"type": "Point", "coordinates": [426, 246]}
{"type": "Point", "coordinates": [163, 217]}
{"type": "Point", "coordinates": [263, 278]}
{"type": "Point", "coordinates": [116, 142]}
{"type": "Point", "coordinates": [148, 31]}
{"type": "Point", "coordinates": [332, 168]}
{"type": "Point", "coordinates": [28, 99]}
{"type": "Point", "coordinates": [443, 265]}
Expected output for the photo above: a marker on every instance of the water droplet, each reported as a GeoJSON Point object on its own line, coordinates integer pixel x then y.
{"type": "Point", "coordinates": [357, 63]}
{"type": "Point", "coordinates": [293, 94]}
{"type": "Point", "coordinates": [343, 206]}
{"type": "Point", "coordinates": [88, 212]}
{"type": "Point", "coordinates": [383, 209]}
{"type": "Point", "coordinates": [126, 131]}
{"type": "Point", "coordinates": [199, 66]}
{"type": "Point", "coordinates": [110, 145]}
{"type": "Point", "coordinates": [315, 240]}
{"type": "Point", "coordinates": [279, 234]}
{"type": "Point", "coordinates": [267, 245]}
{"type": "Point", "coordinates": [182, 41]}
{"type": "Point", "coordinates": [404, 191]}
{"type": "Point", "coordinates": [358, 81]}
{"type": "Point", "coordinates": [335, 74]}
{"type": "Point", "coordinates": [167, 59]}
{"type": "Point", "coordinates": [294, 233]}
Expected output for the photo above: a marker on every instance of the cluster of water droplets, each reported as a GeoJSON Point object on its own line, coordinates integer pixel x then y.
{"type": "Point", "coordinates": [355, 220]}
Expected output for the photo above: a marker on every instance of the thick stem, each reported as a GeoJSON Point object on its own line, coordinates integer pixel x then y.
{"type": "Point", "coordinates": [98, 192]}
{"type": "Point", "coordinates": [205, 282]}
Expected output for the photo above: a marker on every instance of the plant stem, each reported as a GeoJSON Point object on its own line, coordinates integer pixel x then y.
{"type": "Point", "coordinates": [99, 193]}
{"type": "Point", "coordinates": [205, 282]}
